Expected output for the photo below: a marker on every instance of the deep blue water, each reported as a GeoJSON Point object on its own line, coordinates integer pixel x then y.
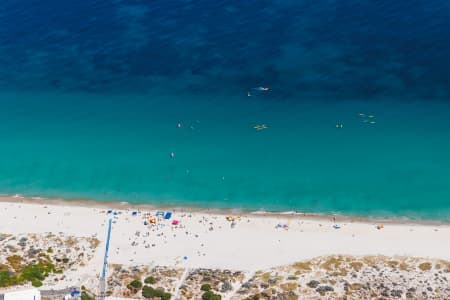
{"type": "Point", "coordinates": [91, 93]}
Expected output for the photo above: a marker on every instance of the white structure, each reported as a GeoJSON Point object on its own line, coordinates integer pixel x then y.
{"type": "Point", "coordinates": [21, 294]}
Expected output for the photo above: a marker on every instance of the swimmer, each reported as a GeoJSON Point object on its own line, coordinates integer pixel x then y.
{"type": "Point", "coordinates": [248, 94]}
{"type": "Point", "coordinates": [262, 89]}
{"type": "Point", "coordinates": [260, 127]}
{"type": "Point", "coordinates": [339, 126]}
{"type": "Point", "coordinates": [172, 155]}
{"type": "Point", "coordinates": [179, 125]}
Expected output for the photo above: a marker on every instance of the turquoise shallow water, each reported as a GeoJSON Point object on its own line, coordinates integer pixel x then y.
{"type": "Point", "coordinates": [108, 147]}
{"type": "Point", "coordinates": [91, 93]}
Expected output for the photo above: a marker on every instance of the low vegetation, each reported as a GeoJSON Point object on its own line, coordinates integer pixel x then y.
{"type": "Point", "coordinates": [35, 259]}
{"type": "Point", "coordinates": [149, 292]}
{"type": "Point", "coordinates": [150, 280]}
{"type": "Point", "coordinates": [85, 296]}
{"type": "Point", "coordinates": [426, 266]}
{"type": "Point", "coordinates": [20, 273]}
{"type": "Point", "coordinates": [135, 286]}
{"type": "Point", "coordinates": [305, 266]}
{"type": "Point", "coordinates": [210, 296]}
{"type": "Point", "coordinates": [348, 277]}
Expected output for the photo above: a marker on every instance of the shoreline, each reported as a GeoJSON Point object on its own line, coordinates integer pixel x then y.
{"type": "Point", "coordinates": [209, 239]}
{"type": "Point", "coordinates": [124, 205]}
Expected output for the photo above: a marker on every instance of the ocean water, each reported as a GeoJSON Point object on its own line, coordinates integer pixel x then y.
{"type": "Point", "coordinates": [91, 95]}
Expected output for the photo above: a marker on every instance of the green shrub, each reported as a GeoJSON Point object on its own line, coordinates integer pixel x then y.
{"type": "Point", "coordinates": [134, 286]}
{"type": "Point", "coordinates": [49, 250]}
{"type": "Point", "coordinates": [35, 272]}
{"type": "Point", "coordinates": [211, 296]}
{"type": "Point", "coordinates": [205, 287]}
{"type": "Point", "coordinates": [36, 283]}
{"type": "Point", "coordinates": [5, 279]}
{"type": "Point", "coordinates": [150, 280]}
{"type": "Point", "coordinates": [85, 296]}
{"type": "Point", "coordinates": [137, 284]}
{"type": "Point", "coordinates": [65, 260]}
{"type": "Point", "coordinates": [149, 292]}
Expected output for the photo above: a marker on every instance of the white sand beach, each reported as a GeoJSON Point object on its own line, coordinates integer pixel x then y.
{"type": "Point", "coordinates": [208, 240]}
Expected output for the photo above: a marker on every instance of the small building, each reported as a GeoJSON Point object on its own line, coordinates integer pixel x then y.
{"type": "Point", "coordinates": [20, 294]}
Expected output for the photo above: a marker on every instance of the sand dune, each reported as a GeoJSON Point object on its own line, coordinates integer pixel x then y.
{"type": "Point", "coordinates": [209, 240]}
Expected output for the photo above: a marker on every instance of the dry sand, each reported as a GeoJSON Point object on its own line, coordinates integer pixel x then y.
{"type": "Point", "coordinates": [208, 240]}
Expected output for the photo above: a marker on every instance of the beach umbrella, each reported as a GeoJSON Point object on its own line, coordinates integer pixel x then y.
{"type": "Point", "coordinates": [168, 215]}
{"type": "Point", "coordinates": [175, 222]}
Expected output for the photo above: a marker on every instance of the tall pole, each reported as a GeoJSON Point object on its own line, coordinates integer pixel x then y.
{"type": "Point", "coordinates": [105, 264]}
